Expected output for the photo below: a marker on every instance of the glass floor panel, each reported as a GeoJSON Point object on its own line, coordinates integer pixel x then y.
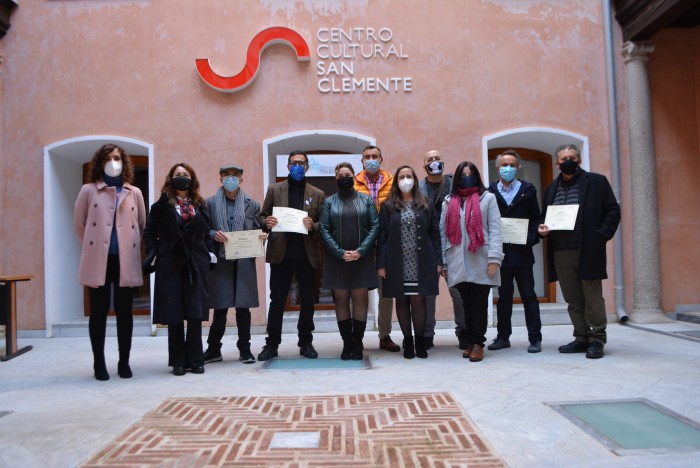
{"type": "Point", "coordinates": [294, 364]}
{"type": "Point", "coordinates": [633, 426]}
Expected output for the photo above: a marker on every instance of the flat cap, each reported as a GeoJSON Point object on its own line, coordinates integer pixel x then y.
{"type": "Point", "coordinates": [230, 167]}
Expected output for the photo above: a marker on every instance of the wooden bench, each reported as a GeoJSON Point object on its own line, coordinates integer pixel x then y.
{"type": "Point", "coordinates": [8, 314]}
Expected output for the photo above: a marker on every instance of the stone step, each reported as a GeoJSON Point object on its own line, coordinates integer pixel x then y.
{"type": "Point", "coordinates": [324, 321]}
{"type": "Point", "coordinates": [79, 328]}
{"type": "Point", "coordinates": [693, 316]}
{"type": "Point", "coordinates": [550, 314]}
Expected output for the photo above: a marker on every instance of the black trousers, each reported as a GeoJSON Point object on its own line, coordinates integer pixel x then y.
{"type": "Point", "coordinates": [99, 308]}
{"type": "Point", "coordinates": [218, 328]}
{"type": "Point", "coordinates": [475, 298]}
{"type": "Point", "coordinates": [525, 279]}
{"type": "Point", "coordinates": [280, 282]}
{"type": "Point", "coordinates": [185, 350]}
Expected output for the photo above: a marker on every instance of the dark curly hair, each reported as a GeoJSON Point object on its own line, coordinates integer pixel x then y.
{"type": "Point", "coordinates": [97, 163]}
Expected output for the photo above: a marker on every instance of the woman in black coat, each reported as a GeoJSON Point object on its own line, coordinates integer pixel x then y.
{"type": "Point", "coordinates": [408, 256]}
{"type": "Point", "coordinates": [178, 250]}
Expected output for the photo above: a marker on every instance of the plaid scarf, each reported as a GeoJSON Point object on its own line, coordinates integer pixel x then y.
{"type": "Point", "coordinates": [472, 216]}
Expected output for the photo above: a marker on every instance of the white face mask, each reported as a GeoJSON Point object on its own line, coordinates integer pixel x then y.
{"type": "Point", "coordinates": [113, 168]}
{"type": "Point", "coordinates": [406, 185]}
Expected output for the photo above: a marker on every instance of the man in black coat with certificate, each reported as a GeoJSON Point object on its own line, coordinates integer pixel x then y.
{"type": "Point", "coordinates": [577, 257]}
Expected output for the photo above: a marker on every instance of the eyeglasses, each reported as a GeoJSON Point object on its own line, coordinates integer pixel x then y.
{"type": "Point", "coordinates": [297, 163]}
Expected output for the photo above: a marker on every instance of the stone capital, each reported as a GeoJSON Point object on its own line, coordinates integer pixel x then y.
{"type": "Point", "coordinates": [637, 51]}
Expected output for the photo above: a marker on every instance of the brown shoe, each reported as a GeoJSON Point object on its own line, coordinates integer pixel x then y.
{"type": "Point", "coordinates": [387, 345]}
{"type": "Point", "coordinates": [468, 351]}
{"type": "Point", "coordinates": [477, 353]}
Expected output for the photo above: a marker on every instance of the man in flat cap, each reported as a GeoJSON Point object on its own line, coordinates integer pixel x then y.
{"type": "Point", "coordinates": [233, 283]}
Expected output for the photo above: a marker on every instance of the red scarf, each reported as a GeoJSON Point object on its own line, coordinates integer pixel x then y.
{"type": "Point", "coordinates": [186, 209]}
{"type": "Point", "coordinates": [472, 215]}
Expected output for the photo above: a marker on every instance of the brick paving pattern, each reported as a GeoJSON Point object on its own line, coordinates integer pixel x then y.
{"type": "Point", "coordinates": [391, 430]}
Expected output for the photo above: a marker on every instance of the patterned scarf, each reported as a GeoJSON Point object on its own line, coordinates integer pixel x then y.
{"type": "Point", "coordinates": [186, 209]}
{"type": "Point", "coordinates": [472, 215]}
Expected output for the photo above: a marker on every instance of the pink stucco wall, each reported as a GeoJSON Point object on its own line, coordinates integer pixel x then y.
{"type": "Point", "coordinates": [126, 68]}
{"type": "Point", "coordinates": [674, 77]}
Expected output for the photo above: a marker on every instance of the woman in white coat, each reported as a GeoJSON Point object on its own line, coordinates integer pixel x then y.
{"type": "Point", "coordinates": [470, 229]}
{"type": "Point", "coordinates": [109, 220]}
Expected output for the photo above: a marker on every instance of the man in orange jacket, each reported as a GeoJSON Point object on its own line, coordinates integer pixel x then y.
{"type": "Point", "coordinates": [376, 183]}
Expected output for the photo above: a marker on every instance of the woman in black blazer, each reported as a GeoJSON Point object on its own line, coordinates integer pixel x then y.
{"type": "Point", "coordinates": [408, 256]}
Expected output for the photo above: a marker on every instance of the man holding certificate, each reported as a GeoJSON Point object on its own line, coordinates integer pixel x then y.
{"type": "Point", "coordinates": [587, 216]}
{"type": "Point", "coordinates": [234, 281]}
{"type": "Point", "coordinates": [520, 212]}
{"type": "Point", "coordinates": [291, 252]}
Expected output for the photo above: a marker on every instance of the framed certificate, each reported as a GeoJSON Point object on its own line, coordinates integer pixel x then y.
{"type": "Point", "coordinates": [561, 217]}
{"type": "Point", "coordinates": [289, 220]}
{"type": "Point", "coordinates": [244, 244]}
{"type": "Point", "coordinates": [514, 230]}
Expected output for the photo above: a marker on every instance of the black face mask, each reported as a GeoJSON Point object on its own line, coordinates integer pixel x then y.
{"type": "Point", "coordinates": [569, 167]}
{"type": "Point", "coordinates": [181, 183]}
{"type": "Point", "coordinates": [345, 183]}
{"type": "Point", "coordinates": [467, 182]}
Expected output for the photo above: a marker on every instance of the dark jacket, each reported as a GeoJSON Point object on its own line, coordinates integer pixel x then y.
{"type": "Point", "coordinates": [182, 263]}
{"type": "Point", "coordinates": [330, 224]}
{"type": "Point", "coordinates": [221, 290]}
{"type": "Point", "coordinates": [597, 220]}
{"type": "Point", "coordinates": [438, 198]}
{"type": "Point", "coordinates": [278, 195]}
{"type": "Point", "coordinates": [524, 206]}
{"type": "Point", "coordinates": [390, 253]}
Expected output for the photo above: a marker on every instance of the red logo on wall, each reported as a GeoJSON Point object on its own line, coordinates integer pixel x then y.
{"type": "Point", "coordinates": [264, 39]}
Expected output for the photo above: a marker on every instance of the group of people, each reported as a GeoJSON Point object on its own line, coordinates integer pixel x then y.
{"type": "Point", "coordinates": [378, 231]}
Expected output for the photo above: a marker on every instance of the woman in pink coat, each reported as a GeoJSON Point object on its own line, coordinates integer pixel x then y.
{"type": "Point", "coordinates": [110, 217]}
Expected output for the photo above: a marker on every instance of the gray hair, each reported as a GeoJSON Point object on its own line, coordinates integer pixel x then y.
{"type": "Point", "coordinates": [508, 153]}
{"type": "Point", "coordinates": [561, 148]}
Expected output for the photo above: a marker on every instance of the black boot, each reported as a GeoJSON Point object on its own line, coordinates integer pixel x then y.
{"type": "Point", "coordinates": [100, 367]}
{"type": "Point", "coordinates": [345, 328]}
{"type": "Point", "coordinates": [408, 350]}
{"type": "Point", "coordinates": [358, 333]}
{"type": "Point", "coordinates": [97, 329]}
{"type": "Point", "coordinates": [421, 352]}
{"type": "Point", "coordinates": [125, 330]}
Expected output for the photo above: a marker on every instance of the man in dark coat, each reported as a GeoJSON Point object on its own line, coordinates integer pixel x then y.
{"type": "Point", "coordinates": [577, 257]}
{"type": "Point", "coordinates": [436, 186]}
{"type": "Point", "coordinates": [292, 254]}
{"type": "Point", "coordinates": [233, 283]}
{"type": "Point", "coordinates": [517, 199]}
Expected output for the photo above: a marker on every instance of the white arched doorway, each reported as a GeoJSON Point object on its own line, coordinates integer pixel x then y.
{"type": "Point", "coordinates": [310, 140]}
{"type": "Point", "coordinates": [63, 163]}
{"type": "Point", "coordinates": [538, 138]}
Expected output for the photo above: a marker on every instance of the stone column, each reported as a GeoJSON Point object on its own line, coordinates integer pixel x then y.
{"type": "Point", "coordinates": [646, 272]}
